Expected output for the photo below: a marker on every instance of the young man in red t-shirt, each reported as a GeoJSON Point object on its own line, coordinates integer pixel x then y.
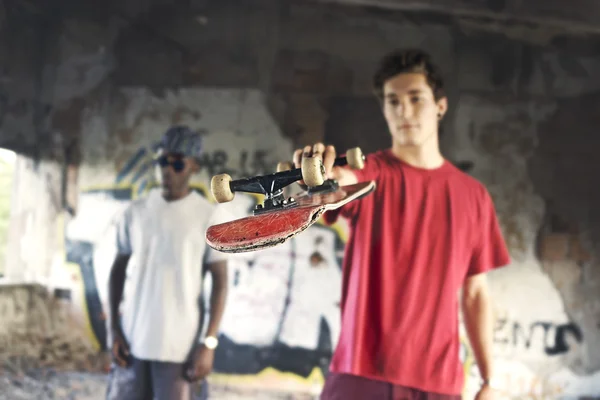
{"type": "Point", "coordinates": [428, 231]}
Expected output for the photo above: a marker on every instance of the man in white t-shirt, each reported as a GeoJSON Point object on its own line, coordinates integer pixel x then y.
{"type": "Point", "coordinates": [155, 285]}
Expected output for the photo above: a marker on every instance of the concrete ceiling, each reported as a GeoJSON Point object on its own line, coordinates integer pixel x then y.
{"type": "Point", "coordinates": [575, 16]}
{"type": "Point", "coordinates": [33, 30]}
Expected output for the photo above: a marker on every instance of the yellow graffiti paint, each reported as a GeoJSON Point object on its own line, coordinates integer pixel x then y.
{"type": "Point", "coordinates": [269, 374]}
{"type": "Point", "coordinates": [89, 332]}
{"type": "Point", "coordinates": [107, 187]}
{"type": "Point", "coordinates": [75, 270]}
{"type": "Point", "coordinates": [337, 228]}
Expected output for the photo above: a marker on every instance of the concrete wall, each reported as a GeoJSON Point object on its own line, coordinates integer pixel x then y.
{"type": "Point", "coordinates": [40, 329]}
{"type": "Point", "coordinates": [261, 81]}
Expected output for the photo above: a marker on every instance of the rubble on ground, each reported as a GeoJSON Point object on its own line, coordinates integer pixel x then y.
{"type": "Point", "coordinates": [51, 384]}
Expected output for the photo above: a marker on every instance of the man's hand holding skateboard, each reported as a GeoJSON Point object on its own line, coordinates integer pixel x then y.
{"type": "Point", "coordinates": [328, 185]}
{"type": "Point", "coordinates": [327, 154]}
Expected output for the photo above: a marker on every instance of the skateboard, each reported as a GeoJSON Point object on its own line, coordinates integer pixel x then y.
{"type": "Point", "coordinates": [279, 217]}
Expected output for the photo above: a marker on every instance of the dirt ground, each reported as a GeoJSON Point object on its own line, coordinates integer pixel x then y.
{"type": "Point", "coordinates": [46, 384]}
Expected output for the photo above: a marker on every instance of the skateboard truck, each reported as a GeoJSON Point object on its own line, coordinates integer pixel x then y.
{"type": "Point", "coordinates": [329, 185]}
{"type": "Point", "coordinates": [271, 186]}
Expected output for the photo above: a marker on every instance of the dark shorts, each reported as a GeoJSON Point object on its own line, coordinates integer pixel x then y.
{"type": "Point", "coordinates": [146, 380]}
{"type": "Point", "coordinates": [350, 387]}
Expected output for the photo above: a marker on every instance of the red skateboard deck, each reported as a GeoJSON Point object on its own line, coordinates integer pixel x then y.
{"type": "Point", "coordinates": [275, 227]}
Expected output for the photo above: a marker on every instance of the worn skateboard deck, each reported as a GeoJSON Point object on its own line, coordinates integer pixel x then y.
{"type": "Point", "coordinates": [275, 227]}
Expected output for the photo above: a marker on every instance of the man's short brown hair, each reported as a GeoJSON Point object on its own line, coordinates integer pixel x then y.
{"type": "Point", "coordinates": [408, 61]}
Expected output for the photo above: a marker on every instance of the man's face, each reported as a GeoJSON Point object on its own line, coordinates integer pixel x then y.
{"type": "Point", "coordinates": [174, 172]}
{"type": "Point", "coordinates": [411, 110]}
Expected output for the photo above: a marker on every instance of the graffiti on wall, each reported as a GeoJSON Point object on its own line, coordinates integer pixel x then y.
{"type": "Point", "coordinates": [514, 377]}
{"type": "Point", "coordinates": [283, 302]}
{"type": "Point", "coordinates": [283, 305]}
{"type": "Point", "coordinates": [249, 163]}
{"type": "Point", "coordinates": [543, 336]}
{"type": "Point", "coordinates": [519, 346]}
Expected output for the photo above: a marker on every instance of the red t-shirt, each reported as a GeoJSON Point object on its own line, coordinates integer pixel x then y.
{"type": "Point", "coordinates": [412, 244]}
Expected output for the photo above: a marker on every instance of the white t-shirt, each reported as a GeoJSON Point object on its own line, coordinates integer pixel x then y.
{"type": "Point", "coordinates": [166, 240]}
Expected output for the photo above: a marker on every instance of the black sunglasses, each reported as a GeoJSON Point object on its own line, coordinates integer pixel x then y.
{"type": "Point", "coordinates": [178, 164]}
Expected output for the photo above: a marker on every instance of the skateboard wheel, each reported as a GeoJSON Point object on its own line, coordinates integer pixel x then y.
{"type": "Point", "coordinates": [313, 171]}
{"type": "Point", "coordinates": [355, 158]}
{"type": "Point", "coordinates": [219, 186]}
{"type": "Point", "coordinates": [284, 166]}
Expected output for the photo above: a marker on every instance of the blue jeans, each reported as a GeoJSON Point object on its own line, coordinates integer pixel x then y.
{"type": "Point", "coordinates": [144, 380]}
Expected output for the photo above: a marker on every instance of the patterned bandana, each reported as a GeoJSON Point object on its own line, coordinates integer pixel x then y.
{"type": "Point", "coordinates": [182, 140]}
